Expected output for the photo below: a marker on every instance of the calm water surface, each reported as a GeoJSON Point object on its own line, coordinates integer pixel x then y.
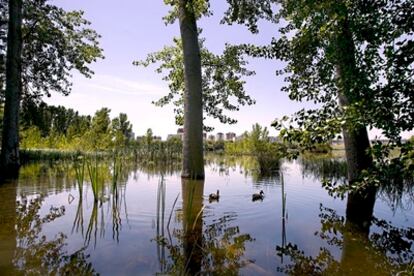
{"type": "Point", "coordinates": [152, 222]}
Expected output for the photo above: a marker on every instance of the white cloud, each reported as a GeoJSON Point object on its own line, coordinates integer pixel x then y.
{"type": "Point", "coordinates": [123, 86]}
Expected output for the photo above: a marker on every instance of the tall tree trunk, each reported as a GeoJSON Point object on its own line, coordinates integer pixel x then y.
{"type": "Point", "coordinates": [193, 160]}
{"type": "Point", "coordinates": [10, 140]}
{"type": "Point", "coordinates": [356, 139]}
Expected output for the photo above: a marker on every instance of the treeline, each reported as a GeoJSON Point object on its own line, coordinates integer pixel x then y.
{"type": "Point", "coordinates": [57, 127]}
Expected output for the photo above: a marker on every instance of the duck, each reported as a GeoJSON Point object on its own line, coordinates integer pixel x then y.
{"type": "Point", "coordinates": [258, 196]}
{"type": "Point", "coordinates": [214, 196]}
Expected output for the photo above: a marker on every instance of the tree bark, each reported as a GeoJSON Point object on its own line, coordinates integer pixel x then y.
{"type": "Point", "coordinates": [193, 159]}
{"type": "Point", "coordinates": [360, 203]}
{"type": "Point", "coordinates": [10, 140]}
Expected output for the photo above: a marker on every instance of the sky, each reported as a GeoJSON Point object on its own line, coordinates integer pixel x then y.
{"type": "Point", "coordinates": [130, 30]}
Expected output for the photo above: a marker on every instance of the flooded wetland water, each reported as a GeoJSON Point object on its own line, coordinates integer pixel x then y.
{"type": "Point", "coordinates": [150, 221]}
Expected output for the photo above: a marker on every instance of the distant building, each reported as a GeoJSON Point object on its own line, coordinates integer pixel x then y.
{"type": "Point", "coordinates": [131, 136]}
{"type": "Point", "coordinates": [180, 133]}
{"type": "Point", "coordinates": [211, 137]}
{"type": "Point", "coordinates": [157, 138]}
{"type": "Point", "coordinates": [219, 136]}
{"type": "Point", "coordinates": [337, 142]}
{"type": "Point", "coordinates": [230, 136]}
{"type": "Point", "coordinates": [239, 138]}
{"type": "Point", "coordinates": [273, 139]}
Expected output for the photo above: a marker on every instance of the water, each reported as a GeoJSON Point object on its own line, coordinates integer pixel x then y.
{"type": "Point", "coordinates": [153, 222]}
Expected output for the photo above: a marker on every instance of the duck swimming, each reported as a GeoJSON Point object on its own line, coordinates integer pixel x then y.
{"type": "Point", "coordinates": [214, 196]}
{"type": "Point", "coordinates": [258, 196]}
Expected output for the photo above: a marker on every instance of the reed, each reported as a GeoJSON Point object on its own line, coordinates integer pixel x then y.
{"type": "Point", "coordinates": [284, 195]}
{"type": "Point", "coordinates": [117, 166]}
{"type": "Point", "coordinates": [93, 171]}
{"type": "Point", "coordinates": [79, 173]}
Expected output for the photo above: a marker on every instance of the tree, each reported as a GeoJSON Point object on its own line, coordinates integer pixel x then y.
{"type": "Point", "coordinates": [9, 158]}
{"type": "Point", "coordinates": [187, 12]}
{"type": "Point", "coordinates": [193, 159]}
{"type": "Point", "coordinates": [199, 80]}
{"type": "Point", "coordinates": [222, 80]}
{"type": "Point", "coordinates": [99, 135]}
{"type": "Point", "coordinates": [70, 45]}
{"type": "Point", "coordinates": [122, 130]}
{"type": "Point", "coordinates": [69, 41]}
{"type": "Point", "coordinates": [352, 58]}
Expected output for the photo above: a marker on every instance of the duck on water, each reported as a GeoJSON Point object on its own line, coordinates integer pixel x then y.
{"type": "Point", "coordinates": [258, 196]}
{"type": "Point", "coordinates": [214, 196]}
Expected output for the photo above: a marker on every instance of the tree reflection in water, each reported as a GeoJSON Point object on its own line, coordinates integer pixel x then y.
{"type": "Point", "coordinates": [197, 246]}
{"type": "Point", "coordinates": [246, 165]}
{"type": "Point", "coordinates": [388, 250]}
{"type": "Point", "coordinates": [37, 255]}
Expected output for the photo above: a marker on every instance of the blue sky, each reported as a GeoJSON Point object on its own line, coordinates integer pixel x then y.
{"type": "Point", "coordinates": [131, 29]}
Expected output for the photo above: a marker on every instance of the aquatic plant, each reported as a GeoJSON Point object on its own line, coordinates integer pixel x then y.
{"type": "Point", "coordinates": [79, 172]}
{"type": "Point", "coordinates": [93, 171]}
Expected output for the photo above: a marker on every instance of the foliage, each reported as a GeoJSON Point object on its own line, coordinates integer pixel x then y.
{"type": "Point", "coordinates": [310, 43]}
{"type": "Point", "coordinates": [197, 7]}
{"type": "Point", "coordinates": [45, 126]}
{"type": "Point", "coordinates": [257, 143]}
{"type": "Point", "coordinates": [222, 77]}
{"type": "Point", "coordinates": [55, 42]}
{"type": "Point", "coordinates": [150, 149]}
{"type": "Point", "coordinates": [352, 59]}
{"type": "Point", "coordinates": [122, 129]}
{"type": "Point", "coordinates": [391, 173]}
{"type": "Point", "coordinates": [214, 146]}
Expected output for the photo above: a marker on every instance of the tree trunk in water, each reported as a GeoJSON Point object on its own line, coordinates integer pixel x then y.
{"type": "Point", "coordinates": [193, 160]}
{"type": "Point", "coordinates": [358, 256]}
{"type": "Point", "coordinates": [360, 203]}
{"type": "Point", "coordinates": [10, 140]}
{"type": "Point", "coordinates": [192, 194]}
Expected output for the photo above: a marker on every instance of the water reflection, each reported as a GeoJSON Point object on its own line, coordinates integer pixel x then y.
{"type": "Point", "coordinates": [24, 248]}
{"type": "Point", "coordinates": [321, 167]}
{"type": "Point", "coordinates": [8, 192]}
{"type": "Point", "coordinates": [114, 201]}
{"type": "Point", "coordinates": [249, 166]}
{"type": "Point", "coordinates": [196, 245]}
{"type": "Point", "coordinates": [189, 234]}
{"type": "Point", "coordinates": [387, 250]}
